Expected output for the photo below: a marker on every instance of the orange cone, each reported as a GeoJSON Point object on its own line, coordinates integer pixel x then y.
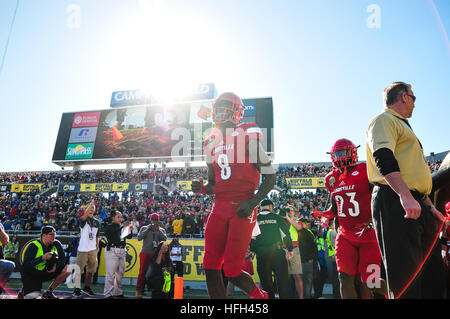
{"type": "Point", "coordinates": [116, 134]}
{"type": "Point", "coordinates": [178, 289]}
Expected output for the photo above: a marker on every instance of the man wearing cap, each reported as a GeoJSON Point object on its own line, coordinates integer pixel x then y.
{"type": "Point", "coordinates": [268, 247]}
{"type": "Point", "coordinates": [43, 261]}
{"type": "Point", "coordinates": [151, 235]}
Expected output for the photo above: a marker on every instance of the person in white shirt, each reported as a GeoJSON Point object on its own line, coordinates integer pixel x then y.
{"type": "Point", "coordinates": [87, 248]}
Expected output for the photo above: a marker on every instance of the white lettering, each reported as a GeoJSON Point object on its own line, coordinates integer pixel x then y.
{"type": "Point", "coordinates": [74, 19]}
{"type": "Point", "coordinates": [374, 20]}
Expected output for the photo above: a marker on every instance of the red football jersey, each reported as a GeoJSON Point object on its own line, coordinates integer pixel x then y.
{"type": "Point", "coordinates": [236, 177]}
{"type": "Point", "coordinates": [352, 196]}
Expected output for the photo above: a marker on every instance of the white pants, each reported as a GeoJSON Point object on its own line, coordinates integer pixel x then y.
{"type": "Point", "coordinates": [115, 269]}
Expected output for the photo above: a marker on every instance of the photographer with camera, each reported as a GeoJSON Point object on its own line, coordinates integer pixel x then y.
{"type": "Point", "coordinates": [151, 235]}
{"type": "Point", "coordinates": [268, 247]}
{"type": "Point", "coordinates": [43, 261]}
{"type": "Point", "coordinates": [160, 281]}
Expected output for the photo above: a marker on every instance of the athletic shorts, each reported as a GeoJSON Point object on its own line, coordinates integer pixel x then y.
{"type": "Point", "coordinates": [227, 238]}
{"type": "Point", "coordinates": [295, 264]}
{"type": "Point", "coordinates": [87, 259]}
{"type": "Point", "coordinates": [355, 256]}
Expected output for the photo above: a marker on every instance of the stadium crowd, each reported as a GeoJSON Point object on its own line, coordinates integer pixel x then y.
{"type": "Point", "coordinates": [20, 212]}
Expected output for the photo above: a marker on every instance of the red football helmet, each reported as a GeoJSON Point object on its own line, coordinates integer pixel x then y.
{"type": "Point", "coordinates": [227, 107]}
{"type": "Point", "coordinates": [344, 153]}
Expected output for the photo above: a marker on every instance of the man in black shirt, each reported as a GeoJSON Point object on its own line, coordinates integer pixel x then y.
{"type": "Point", "coordinates": [43, 261]}
{"type": "Point", "coordinates": [309, 256]}
{"type": "Point", "coordinates": [115, 254]}
{"type": "Point", "coordinates": [270, 254]}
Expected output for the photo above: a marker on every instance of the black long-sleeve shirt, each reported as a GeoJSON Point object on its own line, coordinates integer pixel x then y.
{"type": "Point", "coordinates": [270, 225]}
{"type": "Point", "coordinates": [307, 245]}
{"type": "Point", "coordinates": [112, 233]}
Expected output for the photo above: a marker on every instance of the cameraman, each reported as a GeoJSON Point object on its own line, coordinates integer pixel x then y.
{"type": "Point", "coordinates": [151, 235]}
{"type": "Point", "coordinates": [43, 261]}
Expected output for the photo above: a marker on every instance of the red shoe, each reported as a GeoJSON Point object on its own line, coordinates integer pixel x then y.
{"type": "Point", "coordinates": [265, 294]}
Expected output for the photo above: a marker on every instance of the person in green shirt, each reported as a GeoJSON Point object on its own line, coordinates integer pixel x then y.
{"type": "Point", "coordinates": [12, 249]}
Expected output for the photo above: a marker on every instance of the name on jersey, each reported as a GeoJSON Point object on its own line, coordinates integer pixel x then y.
{"type": "Point", "coordinates": [344, 188]}
{"type": "Point", "coordinates": [223, 148]}
{"type": "Point", "coordinates": [267, 221]}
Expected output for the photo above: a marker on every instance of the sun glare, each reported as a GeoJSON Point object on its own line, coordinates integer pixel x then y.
{"type": "Point", "coordinates": [163, 52]}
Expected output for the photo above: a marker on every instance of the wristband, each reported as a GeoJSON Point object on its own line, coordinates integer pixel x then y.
{"type": "Point", "coordinates": [430, 207]}
{"type": "Point", "coordinates": [203, 191]}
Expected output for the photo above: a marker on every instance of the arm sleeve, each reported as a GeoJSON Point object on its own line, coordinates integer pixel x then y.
{"type": "Point", "coordinates": [287, 239]}
{"type": "Point", "coordinates": [385, 161]}
{"type": "Point", "coordinates": [61, 259]}
{"type": "Point", "coordinates": [142, 233]}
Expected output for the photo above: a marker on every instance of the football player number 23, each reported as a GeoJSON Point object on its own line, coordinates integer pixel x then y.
{"type": "Point", "coordinates": [225, 169]}
{"type": "Point", "coordinates": [352, 211]}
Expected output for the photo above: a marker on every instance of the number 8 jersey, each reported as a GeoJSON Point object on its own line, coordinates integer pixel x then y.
{"type": "Point", "coordinates": [352, 196]}
{"type": "Point", "coordinates": [236, 177]}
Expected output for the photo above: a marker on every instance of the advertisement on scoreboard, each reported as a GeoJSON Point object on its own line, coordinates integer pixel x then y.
{"type": "Point", "coordinates": [163, 132]}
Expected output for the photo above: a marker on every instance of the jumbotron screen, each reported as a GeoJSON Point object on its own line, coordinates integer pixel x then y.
{"type": "Point", "coordinates": [172, 132]}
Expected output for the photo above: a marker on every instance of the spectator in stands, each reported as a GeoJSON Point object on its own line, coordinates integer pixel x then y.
{"type": "Point", "coordinates": [188, 225]}
{"type": "Point", "coordinates": [177, 225]}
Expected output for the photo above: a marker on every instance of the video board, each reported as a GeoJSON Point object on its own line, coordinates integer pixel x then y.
{"type": "Point", "coordinates": [163, 132]}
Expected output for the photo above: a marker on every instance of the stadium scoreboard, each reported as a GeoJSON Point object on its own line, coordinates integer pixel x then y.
{"type": "Point", "coordinates": [172, 132]}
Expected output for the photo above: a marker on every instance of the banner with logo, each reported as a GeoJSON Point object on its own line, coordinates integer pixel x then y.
{"type": "Point", "coordinates": [26, 188]}
{"type": "Point", "coordinates": [80, 151]}
{"type": "Point", "coordinates": [83, 135]}
{"type": "Point", "coordinates": [5, 188]}
{"type": "Point", "coordinates": [106, 187]}
{"type": "Point", "coordinates": [306, 182]}
{"type": "Point", "coordinates": [186, 185]}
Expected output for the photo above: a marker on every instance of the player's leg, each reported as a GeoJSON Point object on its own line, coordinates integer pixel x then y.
{"type": "Point", "coordinates": [216, 231]}
{"type": "Point", "coordinates": [347, 266]}
{"type": "Point", "coordinates": [239, 237]}
{"type": "Point", "coordinates": [370, 269]}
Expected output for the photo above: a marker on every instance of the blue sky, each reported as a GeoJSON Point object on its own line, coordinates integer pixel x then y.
{"type": "Point", "coordinates": [322, 61]}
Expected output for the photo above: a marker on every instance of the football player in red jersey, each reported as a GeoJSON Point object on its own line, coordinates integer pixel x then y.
{"type": "Point", "coordinates": [235, 159]}
{"type": "Point", "coordinates": [357, 250]}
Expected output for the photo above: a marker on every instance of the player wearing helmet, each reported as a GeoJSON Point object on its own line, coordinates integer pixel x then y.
{"type": "Point", "coordinates": [235, 159]}
{"type": "Point", "coordinates": [357, 250]}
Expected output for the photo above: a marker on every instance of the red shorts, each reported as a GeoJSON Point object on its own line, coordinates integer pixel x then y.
{"type": "Point", "coordinates": [358, 255]}
{"type": "Point", "coordinates": [227, 238]}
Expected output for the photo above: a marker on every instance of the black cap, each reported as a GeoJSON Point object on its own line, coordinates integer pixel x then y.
{"type": "Point", "coordinates": [266, 202]}
{"type": "Point", "coordinates": [47, 229]}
